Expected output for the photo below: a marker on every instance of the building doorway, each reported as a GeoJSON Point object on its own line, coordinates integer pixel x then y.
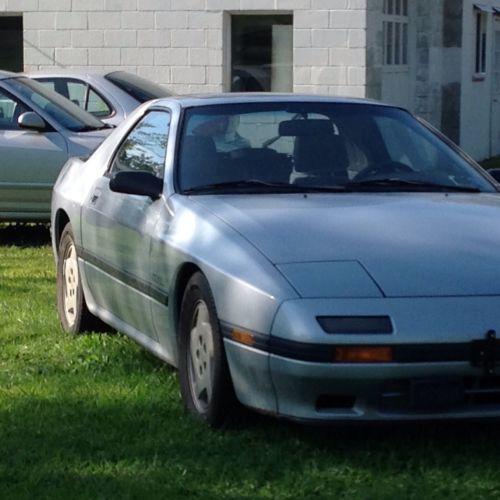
{"type": "Point", "coordinates": [261, 53]}
{"type": "Point", "coordinates": [11, 43]}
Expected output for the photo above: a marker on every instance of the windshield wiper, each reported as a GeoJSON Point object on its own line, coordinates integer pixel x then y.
{"type": "Point", "coordinates": [392, 184]}
{"type": "Point", "coordinates": [259, 185]}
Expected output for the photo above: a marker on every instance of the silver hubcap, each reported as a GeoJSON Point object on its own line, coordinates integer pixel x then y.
{"type": "Point", "coordinates": [201, 357]}
{"type": "Point", "coordinates": [70, 280]}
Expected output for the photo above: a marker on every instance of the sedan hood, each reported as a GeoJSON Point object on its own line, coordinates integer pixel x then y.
{"type": "Point", "coordinates": [411, 245]}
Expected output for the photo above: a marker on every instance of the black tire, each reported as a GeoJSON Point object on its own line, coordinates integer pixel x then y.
{"type": "Point", "coordinates": [74, 315]}
{"type": "Point", "coordinates": [204, 377]}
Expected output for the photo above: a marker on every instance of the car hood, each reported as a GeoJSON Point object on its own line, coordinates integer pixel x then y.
{"type": "Point", "coordinates": [408, 245]}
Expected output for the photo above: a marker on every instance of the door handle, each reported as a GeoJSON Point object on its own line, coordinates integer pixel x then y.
{"type": "Point", "coordinates": [95, 196]}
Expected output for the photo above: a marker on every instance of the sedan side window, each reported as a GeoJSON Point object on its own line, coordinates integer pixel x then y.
{"type": "Point", "coordinates": [145, 147]}
{"type": "Point", "coordinates": [10, 111]}
{"type": "Point", "coordinates": [81, 94]}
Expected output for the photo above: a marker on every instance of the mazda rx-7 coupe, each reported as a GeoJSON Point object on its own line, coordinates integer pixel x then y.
{"type": "Point", "coordinates": [315, 258]}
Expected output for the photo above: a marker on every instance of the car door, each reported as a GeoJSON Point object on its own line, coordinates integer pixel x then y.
{"type": "Point", "coordinates": [117, 230]}
{"type": "Point", "coordinates": [30, 161]}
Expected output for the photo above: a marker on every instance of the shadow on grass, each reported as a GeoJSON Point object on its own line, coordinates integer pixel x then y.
{"type": "Point", "coordinates": [147, 447]}
{"type": "Point", "coordinates": [24, 235]}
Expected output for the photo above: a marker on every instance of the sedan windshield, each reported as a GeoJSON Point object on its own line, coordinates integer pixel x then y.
{"type": "Point", "coordinates": [63, 111]}
{"type": "Point", "coordinates": [315, 147]}
{"type": "Point", "coordinates": [140, 89]}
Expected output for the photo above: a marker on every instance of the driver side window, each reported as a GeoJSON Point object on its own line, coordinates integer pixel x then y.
{"type": "Point", "coordinates": [145, 147]}
{"type": "Point", "coordinates": [10, 110]}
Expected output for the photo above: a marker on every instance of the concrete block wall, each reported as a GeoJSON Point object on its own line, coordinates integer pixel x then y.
{"type": "Point", "coordinates": [179, 43]}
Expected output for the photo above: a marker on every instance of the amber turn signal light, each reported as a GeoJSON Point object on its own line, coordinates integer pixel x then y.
{"type": "Point", "coordinates": [363, 354]}
{"type": "Point", "coordinates": [242, 337]}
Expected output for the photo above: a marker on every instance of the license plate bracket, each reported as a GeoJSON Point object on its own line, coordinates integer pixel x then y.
{"type": "Point", "coordinates": [432, 395]}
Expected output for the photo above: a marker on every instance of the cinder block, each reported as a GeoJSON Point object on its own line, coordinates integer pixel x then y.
{"type": "Point", "coordinates": [39, 20]}
{"type": "Point", "coordinates": [188, 38]}
{"type": "Point", "coordinates": [302, 37]}
{"type": "Point", "coordinates": [68, 56]}
{"type": "Point", "coordinates": [104, 57]}
{"type": "Point", "coordinates": [137, 56]}
{"type": "Point", "coordinates": [86, 38]}
{"type": "Point", "coordinates": [187, 4]}
{"type": "Point", "coordinates": [54, 38]}
{"type": "Point", "coordinates": [310, 57]}
{"type": "Point", "coordinates": [153, 38]}
{"type": "Point", "coordinates": [348, 19]}
{"type": "Point", "coordinates": [329, 37]}
{"type": "Point", "coordinates": [120, 38]}
{"type": "Point", "coordinates": [328, 76]}
{"type": "Point", "coordinates": [171, 56]}
{"type": "Point", "coordinates": [155, 5]}
{"type": "Point", "coordinates": [137, 20]}
{"type": "Point", "coordinates": [104, 20]}
{"type": "Point", "coordinates": [87, 5]}
{"type": "Point", "coordinates": [312, 19]}
{"type": "Point", "coordinates": [188, 75]}
{"type": "Point", "coordinates": [38, 56]}
{"type": "Point", "coordinates": [357, 38]}
{"type": "Point", "coordinates": [347, 57]}
{"type": "Point", "coordinates": [204, 20]}
{"type": "Point", "coordinates": [120, 5]}
{"type": "Point", "coordinates": [54, 5]}
{"type": "Point", "coordinates": [356, 76]}
{"type": "Point", "coordinates": [173, 19]}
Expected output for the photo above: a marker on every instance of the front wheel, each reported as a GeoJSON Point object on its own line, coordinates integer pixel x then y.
{"type": "Point", "coordinates": [204, 376]}
{"type": "Point", "coordinates": [71, 306]}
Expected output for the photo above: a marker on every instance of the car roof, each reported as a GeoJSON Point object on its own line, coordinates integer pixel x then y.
{"type": "Point", "coordinates": [186, 101]}
{"type": "Point", "coordinates": [57, 72]}
{"type": "Point", "coordinates": [8, 74]}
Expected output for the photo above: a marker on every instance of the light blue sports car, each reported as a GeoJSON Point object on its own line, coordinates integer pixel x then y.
{"type": "Point", "coordinates": [315, 258]}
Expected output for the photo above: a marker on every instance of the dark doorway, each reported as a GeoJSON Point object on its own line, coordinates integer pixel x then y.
{"type": "Point", "coordinates": [11, 43]}
{"type": "Point", "coordinates": [261, 53]}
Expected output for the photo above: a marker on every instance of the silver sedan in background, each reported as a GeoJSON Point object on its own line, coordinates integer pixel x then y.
{"type": "Point", "coordinates": [39, 131]}
{"type": "Point", "coordinates": [111, 96]}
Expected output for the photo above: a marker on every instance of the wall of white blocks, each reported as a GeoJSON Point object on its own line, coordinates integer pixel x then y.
{"type": "Point", "coordinates": [179, 43]}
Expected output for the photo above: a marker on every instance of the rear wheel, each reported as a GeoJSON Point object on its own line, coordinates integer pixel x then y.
{"type": "Point", "coordinates": [71, 306]}
{"type": "Point", "coordinates": [205, 381]}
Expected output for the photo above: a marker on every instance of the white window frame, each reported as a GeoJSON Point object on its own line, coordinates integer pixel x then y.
{"type": "Point", "coordinates": [396, 33]}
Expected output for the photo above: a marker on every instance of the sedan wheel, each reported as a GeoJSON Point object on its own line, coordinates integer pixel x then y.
{"type": "Point", "coordinates": [71, 307]}
{"type": "Point", "coordinates": [201, 359]}
{"type": "Point", "coordinates": [204, 377]}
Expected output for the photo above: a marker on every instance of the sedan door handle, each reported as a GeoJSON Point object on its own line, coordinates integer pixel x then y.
{"type": "Point", "coordinates": [95, 196]}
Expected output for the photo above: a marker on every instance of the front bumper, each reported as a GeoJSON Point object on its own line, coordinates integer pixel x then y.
{"type": "Point", "coordinates": [435, 373]}
{"type": "Point", "coordinates": [361, 392]}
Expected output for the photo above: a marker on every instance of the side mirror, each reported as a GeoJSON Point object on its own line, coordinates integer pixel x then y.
{"type": "Point", "coordinates": [32, 121]}
{"type": "Point", "coordinates": [495, 173]}
{"type": "Point", "coordinates": [140, 183]}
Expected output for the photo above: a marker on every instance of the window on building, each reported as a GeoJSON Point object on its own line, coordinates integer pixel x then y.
{"type": "Point", "coordinates": [261, 53]}
{"type": "Point", "coordinates": [11, 43]}
{"type": "Point", "coordinates": [395, 26]}
{"type": "Point", "coordinates": [481, 32]}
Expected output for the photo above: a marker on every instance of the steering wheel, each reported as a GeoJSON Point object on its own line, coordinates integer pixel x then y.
{"type": "Point", "coordinates": [383, 169]}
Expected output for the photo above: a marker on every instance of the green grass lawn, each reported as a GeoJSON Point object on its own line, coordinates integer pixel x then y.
{"type": "Point", "coordinates": [96, 416]}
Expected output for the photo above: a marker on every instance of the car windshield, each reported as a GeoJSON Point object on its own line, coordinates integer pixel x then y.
{"type": "Point", "coordinates": [139, 88]}
{"type": "Point", "coordinates": [63, 111]}
{"type": "Point", "coordinates": [317, 146]}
